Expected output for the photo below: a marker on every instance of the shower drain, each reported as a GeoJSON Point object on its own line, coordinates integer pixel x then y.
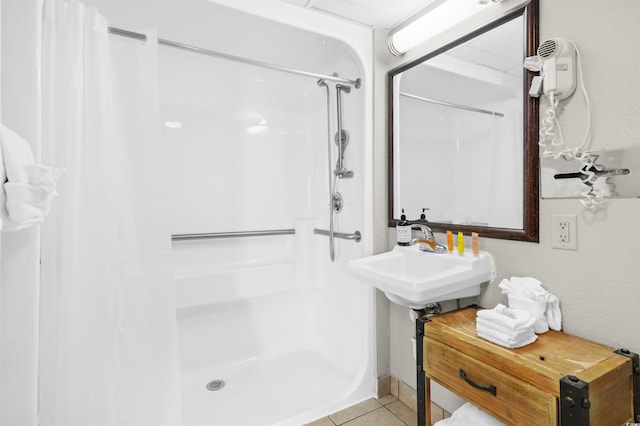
{"type": "Point", "coordinates": [215, 385]}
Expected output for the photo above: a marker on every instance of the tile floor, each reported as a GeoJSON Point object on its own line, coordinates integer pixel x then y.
{"type": "Point", "coordinates": [385, 411]}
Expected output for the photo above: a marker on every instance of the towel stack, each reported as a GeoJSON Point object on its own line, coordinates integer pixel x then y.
{"type": "Point", "coordinates": [27, 188]}
{"type": "Point", "coordinates": [511, 328]}
{"type": "Point", "coordinates": [469, 414]}
{"type": "Point", "coordinates": [527, 294]}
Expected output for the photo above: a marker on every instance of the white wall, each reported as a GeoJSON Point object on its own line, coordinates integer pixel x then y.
{"type": "Point", "coordinates": [597, 284]}
{"type": "Point", "coordinates": [20, 250]}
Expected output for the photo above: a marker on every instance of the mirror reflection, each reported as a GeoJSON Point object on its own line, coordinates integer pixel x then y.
{"type": "Point", "coordinates": [460, 133]}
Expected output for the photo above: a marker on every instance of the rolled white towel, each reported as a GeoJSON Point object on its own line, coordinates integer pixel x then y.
{"type": "Point", "coordinates": [528, 287]}
{"type": "Point", "coordinates": [521, 289]}
{"type": "Point", "coordinates": [536, 310]}
{"type": "Point", "coordinates": [553, 313]}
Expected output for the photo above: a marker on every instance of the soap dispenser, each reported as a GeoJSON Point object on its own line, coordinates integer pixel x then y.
{"type": "Point", "coordinates": [403, 231]}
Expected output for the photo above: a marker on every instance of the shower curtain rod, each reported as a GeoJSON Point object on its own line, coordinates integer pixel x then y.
{"type": "Point", "coordinates": [449, 104]}
{"type": "Point", "coordinates": [125, 33]}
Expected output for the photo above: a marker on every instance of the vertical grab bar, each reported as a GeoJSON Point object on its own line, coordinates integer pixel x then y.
{"type": "Point", "coordinates": [332, 254]}
{"type": "Point", "coordinates": [341, 135]}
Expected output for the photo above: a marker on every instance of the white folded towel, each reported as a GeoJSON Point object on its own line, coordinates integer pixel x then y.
{"type": "Point", "coordinates": [27, 188]}
{"type": "Point", "coordinates": [527, 293]}
{"type": "Point", "coordinates": [511, 328]}
{"type": "Point", "coordinates": [469, 414]}
{"type": "Point", "coordinates": [511, 319]}
{"type": "Point", "coordinates": [506, 334]}
{"type": "Point", "coordinates": [506, 340]}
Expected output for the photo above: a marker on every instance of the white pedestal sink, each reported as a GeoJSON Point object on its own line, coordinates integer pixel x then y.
{"type": "Point", "coordinates": [415, 278]}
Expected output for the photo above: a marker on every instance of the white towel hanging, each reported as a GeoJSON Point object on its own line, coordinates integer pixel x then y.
{"type": "Point", "coordinates": [27, 188]}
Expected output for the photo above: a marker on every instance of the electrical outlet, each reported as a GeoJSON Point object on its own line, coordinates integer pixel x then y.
{"type": "Point", "coordinates": [564, 231]}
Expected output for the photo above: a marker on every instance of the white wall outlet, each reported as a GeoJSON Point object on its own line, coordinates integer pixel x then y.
{"type": "Point", "coordinates": [564, 231]}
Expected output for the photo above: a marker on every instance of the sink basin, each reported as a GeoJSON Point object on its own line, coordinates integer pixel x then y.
{"type": "Point", "coordinates": [415, 278]}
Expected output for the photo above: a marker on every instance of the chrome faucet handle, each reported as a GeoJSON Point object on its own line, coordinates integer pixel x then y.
{"type": "Point", "coordinates": [428, 241]}
{"type": "Point", "coordinates": [427, 233]}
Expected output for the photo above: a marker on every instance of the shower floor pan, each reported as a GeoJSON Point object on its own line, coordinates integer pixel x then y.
{"type": "Point", "coordinates": [288, 389]}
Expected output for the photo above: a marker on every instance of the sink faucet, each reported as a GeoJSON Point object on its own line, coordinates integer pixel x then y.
{"type": "Point", "coordinates": [428, 240]}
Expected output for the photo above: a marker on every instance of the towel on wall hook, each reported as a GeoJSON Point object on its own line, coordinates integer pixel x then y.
{"type": "Point", "coordinates": [27, 188]}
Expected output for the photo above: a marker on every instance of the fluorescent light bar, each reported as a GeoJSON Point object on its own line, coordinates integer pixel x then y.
{"type": "Point", "coordinates": [447, 16]}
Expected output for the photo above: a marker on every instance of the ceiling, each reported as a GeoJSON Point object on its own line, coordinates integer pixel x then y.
{"type": "Point", "coordinates": [372, 13]}
{"type": "Point", "coordinates": [498, 50]}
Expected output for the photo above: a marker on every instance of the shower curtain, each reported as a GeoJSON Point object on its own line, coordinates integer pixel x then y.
{"type": "Point", "coordinates": [108, 335]}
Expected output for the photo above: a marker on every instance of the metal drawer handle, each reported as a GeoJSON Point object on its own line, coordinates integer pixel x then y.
{"type": "Point", "coordinates": [489, 388]}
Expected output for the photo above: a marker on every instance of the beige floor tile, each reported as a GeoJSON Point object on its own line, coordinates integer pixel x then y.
{"type": "Point", "coordinates": [388, 399]}
{"type": "Point", "coordinates": [325, 421]}
{"type": "Point", "coordinates": [357, 410]}
{"type": "Point", "coordinates": [379, 417]}
{"type": "Point", "coordinates": [405, 413]}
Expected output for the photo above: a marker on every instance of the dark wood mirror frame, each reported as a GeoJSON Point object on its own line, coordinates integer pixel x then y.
{"type": "Point", "coordinates": [531, 195]}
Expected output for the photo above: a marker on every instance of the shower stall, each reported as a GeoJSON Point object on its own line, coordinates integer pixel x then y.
{"type": "Point", "coordinates": [267, 128]}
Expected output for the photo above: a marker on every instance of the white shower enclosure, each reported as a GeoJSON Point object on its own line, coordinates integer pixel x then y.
{"type": "Point", "coordinates": [270, 330]}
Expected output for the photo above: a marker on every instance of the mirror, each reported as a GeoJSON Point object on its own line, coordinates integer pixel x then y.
{"type": "Point", "coordinates": [463, 134]}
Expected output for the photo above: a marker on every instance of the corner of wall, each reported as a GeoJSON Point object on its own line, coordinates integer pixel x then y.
{"type": "Point", "coordinates": [19, 261]}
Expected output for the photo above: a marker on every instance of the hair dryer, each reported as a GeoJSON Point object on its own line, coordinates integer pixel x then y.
{"type": "Point", "coordinates": [558, 67]}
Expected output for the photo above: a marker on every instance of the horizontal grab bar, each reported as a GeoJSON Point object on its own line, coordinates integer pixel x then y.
{"type": "Point", "coordinates": [235, 234]}
{"type": "Point", "coordinates": [356, 236]}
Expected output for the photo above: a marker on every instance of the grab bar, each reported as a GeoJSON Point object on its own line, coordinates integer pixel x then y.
{"type": "Point", "coordinates": [235, 234]}
{"type": "Point", "coordinates": [356, 236]}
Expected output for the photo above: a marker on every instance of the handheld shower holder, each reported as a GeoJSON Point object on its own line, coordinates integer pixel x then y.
{"type": "Point", "coordinates": [343, 173]}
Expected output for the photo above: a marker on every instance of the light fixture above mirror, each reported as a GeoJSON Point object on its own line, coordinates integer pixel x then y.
{"type": "Point", "coordinates": [443, 16]}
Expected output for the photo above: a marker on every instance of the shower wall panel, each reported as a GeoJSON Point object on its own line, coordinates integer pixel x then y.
{"type": "Point", "coordinates": [248, 152]}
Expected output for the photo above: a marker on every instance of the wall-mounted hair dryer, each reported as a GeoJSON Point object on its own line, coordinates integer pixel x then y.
{"type": "Point", "coordinates": [558, 67]}
{"type": "Point", "coordinates": [560, 61]}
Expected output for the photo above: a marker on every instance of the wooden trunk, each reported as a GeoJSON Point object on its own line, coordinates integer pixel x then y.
{"type": "Point", "coordinates": [559, 379]}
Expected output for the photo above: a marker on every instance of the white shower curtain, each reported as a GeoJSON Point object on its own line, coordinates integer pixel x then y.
{"type": "Point", "coordinates": [108, 346]}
